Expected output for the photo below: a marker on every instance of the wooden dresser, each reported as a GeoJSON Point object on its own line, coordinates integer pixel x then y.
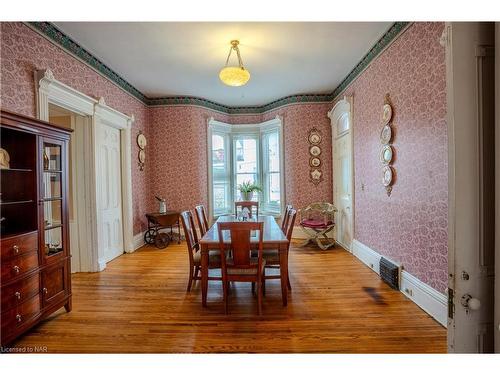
{"type": "Point", "coordinates": [35, 258]}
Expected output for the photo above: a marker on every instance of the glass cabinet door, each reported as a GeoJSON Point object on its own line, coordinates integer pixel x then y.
{"type": "Point", "coordinates": [52, 197]}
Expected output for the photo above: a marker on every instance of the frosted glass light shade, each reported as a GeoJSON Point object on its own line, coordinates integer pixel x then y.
{"type": "Point", "coordinates": [234, 75]}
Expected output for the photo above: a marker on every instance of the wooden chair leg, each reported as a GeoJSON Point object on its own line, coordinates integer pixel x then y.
{"type": "Point", "coordinates": [191, 272]}
{"type": "Point", "coordinates": [259, 296]}
{"type": "Point", "coordinates": [225, 297]}
{"type": "Point", "coordinates": [253, 288]}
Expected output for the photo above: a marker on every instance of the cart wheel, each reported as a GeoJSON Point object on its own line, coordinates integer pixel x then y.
{"type": "Point", "coordinates": [149, 236]}
{"type": "Point", "coordinates": [162, 240]}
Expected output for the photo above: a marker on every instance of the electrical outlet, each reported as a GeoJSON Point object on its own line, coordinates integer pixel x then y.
{"type": "Point", "coordinates": [409, 291]}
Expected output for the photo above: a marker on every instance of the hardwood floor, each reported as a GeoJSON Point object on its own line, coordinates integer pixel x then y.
{"type": "Point", "coordinates": [139, 304]}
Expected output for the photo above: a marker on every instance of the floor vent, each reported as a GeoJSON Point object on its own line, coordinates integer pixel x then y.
{"type": "Point", "coordinates": [389, 272]}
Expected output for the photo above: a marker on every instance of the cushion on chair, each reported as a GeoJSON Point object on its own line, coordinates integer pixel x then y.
{"type": "Point", "coordinates": [315, 223]}
{"type": "Point", "coordinates": [245, 271]}
{"type": "Point", "coordinates": [213, 258]}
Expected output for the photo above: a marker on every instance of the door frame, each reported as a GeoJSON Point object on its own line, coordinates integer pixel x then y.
{"type": "Point", "coordinates": [465, 182]}
{"type": "Point", "coordinates": [342, 106]}
{"type": "Point", "coordinates": [49, 90]}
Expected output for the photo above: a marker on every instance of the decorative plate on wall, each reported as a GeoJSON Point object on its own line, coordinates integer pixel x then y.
{"type": "Point", "coordinates": [386, 114]}
{"type": "Point", "coordinates": [386, 134]}
{"type": "Point", "coordinates": [314, 137]}
{"type": "Point", "coordinates": [141, 141]}
{"type": "Point", "coordinates": [142, 159]}
{"type": "Point", "coordinates": [316, 176]}
{"type": "Point", "coordinates": [314, 162]}
{"type": "Point", "coordinates": [315, 150]}
{"type": "Point", "coordinates": [386, 154]}
{"type": "Point", "coordinates": [387, 176]}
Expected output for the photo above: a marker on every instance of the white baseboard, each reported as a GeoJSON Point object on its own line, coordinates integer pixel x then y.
{"type": "Point", "coordinates": [368, 256]}
{"type": "Point", "coordinates": [427, 298]}
{"type": "Point", "coordinates": [101, 264]}
{"type": "Point", "coordinates": [139, 240]}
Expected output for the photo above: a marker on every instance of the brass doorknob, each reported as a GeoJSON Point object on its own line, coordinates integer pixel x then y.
{"type": "Point", "coordinates": [18, 295]}
{"type": "Point", "coordinates": [16, 249]}
{"type": "Point", "coordinates": [18, 318]}
{"type": "Point", "coordinates": [16, 269]}
{"type": "Point", "coordinates": [45, 291]}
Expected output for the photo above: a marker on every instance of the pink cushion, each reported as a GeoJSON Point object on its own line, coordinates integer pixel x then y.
{"type": "Point", "coordinates": [315, 223]}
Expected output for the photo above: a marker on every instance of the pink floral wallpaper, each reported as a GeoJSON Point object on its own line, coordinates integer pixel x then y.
{"type": "Point", "coordinates": [410, 226]}
{"type": "Point", "coordinates": [179, 163]}
{"type": "Point", "coordinates": [23, 51]}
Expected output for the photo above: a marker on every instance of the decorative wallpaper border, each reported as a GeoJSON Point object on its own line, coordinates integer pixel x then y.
{"type": "Point", "coordinates": [51, 32]}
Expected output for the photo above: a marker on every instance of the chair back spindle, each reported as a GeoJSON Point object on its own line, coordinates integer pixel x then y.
{"type": "Point", "coordinates": [291, 216]}
{"type": "Point", "coordinates": [201, 218]}
{"type": "Point", "coordinates": [190, 233]}
{"type": "Point", "coordinates": [284, 221]}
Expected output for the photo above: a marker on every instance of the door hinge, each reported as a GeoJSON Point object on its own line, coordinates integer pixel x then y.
{"type": "Point", "coordinates": [451, 306]}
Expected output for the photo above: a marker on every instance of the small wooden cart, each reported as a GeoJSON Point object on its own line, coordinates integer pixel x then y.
{"type": "Point", "coordinates": [158, 221]}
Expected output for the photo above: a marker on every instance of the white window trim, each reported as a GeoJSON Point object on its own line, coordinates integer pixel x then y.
{"type": "Point", "coordinates": [241, 129]}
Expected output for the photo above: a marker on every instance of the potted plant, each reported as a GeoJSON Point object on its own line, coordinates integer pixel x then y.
{"type": "Point", "coordinates": [247, 189]}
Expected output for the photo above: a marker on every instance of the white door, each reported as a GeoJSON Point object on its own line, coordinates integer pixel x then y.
{"type": "Point", "coordinates": [470, 109]}
{"type": "Point", "coordinates": [109, 192]}
{"type": "Point", "coordinates": [343, 171]}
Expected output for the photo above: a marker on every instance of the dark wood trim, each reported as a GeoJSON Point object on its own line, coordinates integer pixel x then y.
{"type": "Point", "coordinates": [18, 120]}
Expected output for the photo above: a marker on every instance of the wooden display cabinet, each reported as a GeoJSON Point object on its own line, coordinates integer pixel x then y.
{"type": "Point", "coordinates": [35, 256]}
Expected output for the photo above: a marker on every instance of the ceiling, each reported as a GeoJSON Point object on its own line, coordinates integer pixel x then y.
{"type": "Point", "coordinates": [184, 59]}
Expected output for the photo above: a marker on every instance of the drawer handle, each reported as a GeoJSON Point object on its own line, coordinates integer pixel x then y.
{"type": "Point", "coordinates": [19, 318]}
{"type": "Point", "coordinates": [16, 249]}
{"type": "Point", "coordinates": [45, 291]}
{"type": "Point", "coordinates": [16, 269]}
{"type": "Point", "coordinates": [18, 295]}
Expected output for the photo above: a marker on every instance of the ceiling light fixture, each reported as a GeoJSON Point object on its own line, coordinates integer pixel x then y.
{"type": "Point", "coordinates": [234, 75]}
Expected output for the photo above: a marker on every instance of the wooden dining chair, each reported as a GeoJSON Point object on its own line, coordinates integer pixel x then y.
{"type": "Point", "coordinates": [284, 221]}
{"type": "Point", "coordinates": [194, 251]}
{"type": "Point", "coordinates": [241, 266]}
{"type": "Point", "coordinates": [201, 218]}
{"type": "Point", "coordinates": [272, 257]}
{"type": "Point", "coordinates": [246, 204]}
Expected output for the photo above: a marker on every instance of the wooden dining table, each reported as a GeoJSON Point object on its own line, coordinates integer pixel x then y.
{"type": "Point", "coordinates": [273, 238]}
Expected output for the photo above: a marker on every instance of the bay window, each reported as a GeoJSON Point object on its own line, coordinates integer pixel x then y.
{"type": "Point", "coordinates": [241, 153]}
